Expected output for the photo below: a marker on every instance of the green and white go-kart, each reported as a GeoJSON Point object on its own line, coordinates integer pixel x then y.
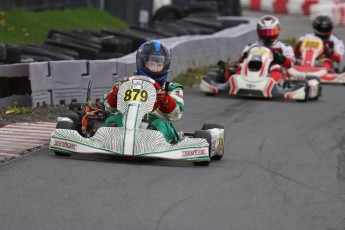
{"type": "Point", "coordinates": [136, 98]}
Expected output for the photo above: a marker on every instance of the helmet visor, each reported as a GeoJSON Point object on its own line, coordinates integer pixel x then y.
{"type": "Point", "coordinates": [268, 32]}
{"type": "Point", "coordinates": [155, 63]}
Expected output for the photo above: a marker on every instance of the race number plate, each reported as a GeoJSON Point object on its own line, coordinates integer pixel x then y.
{"type": "Point", "coordinates": [140, 95]}
{"type": "Point", "coordinates": [311, 44]}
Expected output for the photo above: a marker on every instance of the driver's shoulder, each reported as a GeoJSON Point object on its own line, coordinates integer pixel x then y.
{"type": "Point", "coordinates": [173, 85]}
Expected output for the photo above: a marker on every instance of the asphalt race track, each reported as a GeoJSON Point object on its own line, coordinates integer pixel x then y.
{"type": "Point", "coordinates": [281, 170]}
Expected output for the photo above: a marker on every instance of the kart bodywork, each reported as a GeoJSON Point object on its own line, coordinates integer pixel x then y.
{"type": "Point", "coordinates": [136, 98]}
{"type": "Point", "coordinates": [254, 81]}
{"type": "Point", "coordinates": [310, 65]}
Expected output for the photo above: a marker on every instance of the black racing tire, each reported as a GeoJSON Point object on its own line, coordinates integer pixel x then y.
{"type": "Point", "coordinates": [41, 52]}
{"type": "Point", "coordinates": [19, 86]}
{"type": "Point", "coordinates": [75, 107]}
{"type": "Point", "coordinates": [136, 41]}
{"type": "Point", "coordinates": [65, 124]}
{"type": "Point", "coordinates": [150, 30]}
{"type": "Point", "coordinates": [213, 25]}
{"type": "Point", "coordinates": [206, 135]}
{"type": "Point", "coordinates": [319, 89]}
{"type": "Point", "coordinates": [306, 89]}
{"type": "Point", "coordinates": [169, 12]}
{"type": "Point", "coordinates": [83, 51]}
{"type": "Point", "coordinates": [5, 89]}
{"type": "Point", "coordinates": [13, 53]}
{"type": "Point", "coordinates": [2, 53]}
{"type": "Point", "coordinates": [57, 50]}
{"type": "Point", "coordinates": [74, 35]}
{"type": "Point", "coordinates": [86, 43]}
{"type": "Point", "coordinates": [211, 94]}
{"type": "Point", "coordinates": [172, 27]}
{"type": "Point", "coordinates": [76, 121]}
{"type": "Point", "coordinates": [35, 58]}
{"type": "Point", "coordinates": [110, 55]}
{"type": "Point", "coordinates": [207, 126]}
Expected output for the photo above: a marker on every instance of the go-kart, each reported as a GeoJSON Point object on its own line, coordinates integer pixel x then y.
{"type": "Point", "coordinates": [86, 134]}
{"type": "Point", "coordinates": [310, 63]}
{"type": "Point", "coordinates": [254, 81]}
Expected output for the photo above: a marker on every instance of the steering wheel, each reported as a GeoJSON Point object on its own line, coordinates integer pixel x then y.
{"type": "Point", "coordinates": [143, 78]}
{"type": "Point", "coordinates": [147, 79]}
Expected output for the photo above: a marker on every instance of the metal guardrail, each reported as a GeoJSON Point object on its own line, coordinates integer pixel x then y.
{"type": "Point", "coordinates": [57, 82]}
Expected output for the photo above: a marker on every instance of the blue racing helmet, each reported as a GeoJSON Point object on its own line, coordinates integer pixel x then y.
{"type": "Point", "coordinates": [153, 60]}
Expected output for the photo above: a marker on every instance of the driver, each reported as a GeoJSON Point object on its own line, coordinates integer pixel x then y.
{"type": "Point", "coordinates": [268, 29]}
{"type": "Point", "coordinates": [153, 61]}
{"type": "Point", "coordinates": [333, 46]}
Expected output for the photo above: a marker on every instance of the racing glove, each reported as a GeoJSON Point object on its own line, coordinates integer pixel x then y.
{"type": "Point", "coordinates": [278, 57]}
{"type": "Point", "coordinates": [328, 51]}
{"type": "Point", "coordinates": [166, 103]}
{"type": "Point", "coordinates": [112, 96]}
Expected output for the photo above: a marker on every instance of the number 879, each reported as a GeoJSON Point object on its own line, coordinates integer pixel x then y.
{"type": "Point", "coordinates": [136, 95]}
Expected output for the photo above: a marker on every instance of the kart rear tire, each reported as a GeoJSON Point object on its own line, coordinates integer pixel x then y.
{"type": "Point", "coordinates": [207, 126]}
{"type": "Point", "coordinates": [206, 135]}
{"type": "Point", "coordinates": [76, 122]}
{"type": "Point", "coordinates": [75, 106]}
{"type": "Point", "coordinates": [319, 89]}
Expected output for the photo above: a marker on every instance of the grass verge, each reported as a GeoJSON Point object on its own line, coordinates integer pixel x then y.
{"type": "Point", "coordinates": [20, 27]}
{"type": "Point", "coordinates": [191, 77]}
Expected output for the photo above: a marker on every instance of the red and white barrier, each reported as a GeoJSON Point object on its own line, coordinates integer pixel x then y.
{"type": "Point", "coordinates": [301, 7]}
{"type": "Point", "coordinates": [335, 10]}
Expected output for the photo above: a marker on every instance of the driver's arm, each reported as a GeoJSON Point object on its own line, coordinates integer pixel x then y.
{"type": "Point", "coordinates": [174, 106]}
{"type": "Point", "coordinates": [112, 96]}
{"type": "Point", "coordinates": [338, 50]}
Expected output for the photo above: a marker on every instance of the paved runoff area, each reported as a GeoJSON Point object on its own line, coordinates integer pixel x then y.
{"type": "Point", "coordinates": [20, 138]}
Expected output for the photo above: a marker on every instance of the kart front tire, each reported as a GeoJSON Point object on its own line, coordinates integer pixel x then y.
{"type": "Point", "coordinates": [211, 94]}
{"type": "Point", "coordinates": [205, 135]}
{"type": "Point", "coordinates": [306, 89]}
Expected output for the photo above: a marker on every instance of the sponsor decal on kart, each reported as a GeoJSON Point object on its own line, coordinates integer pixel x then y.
{"type": "Point", "coordinates": [311, 44]}
{"type": "Point", "coordinates": [195, 152]}
{"type": "Point", "coordinates": [261, 52]}
{"type": "Point", "coordinates": [65, 144]}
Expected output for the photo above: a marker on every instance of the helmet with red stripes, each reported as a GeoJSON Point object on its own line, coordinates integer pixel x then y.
{"type": "Point", "coordinates": [268, 28]}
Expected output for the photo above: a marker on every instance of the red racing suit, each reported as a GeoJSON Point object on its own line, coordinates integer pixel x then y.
{"type": "Point", "coordinates": [168, 107]}
{"type": "Point", "coordinates": [283, 57]}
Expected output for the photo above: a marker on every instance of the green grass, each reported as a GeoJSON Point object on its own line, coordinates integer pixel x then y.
{"type": "Point", "coordinates": [18, 110]}
{"type": "Point", "coordinates": [20, 27]}
{"type": "Point", "coordinates": [191, 77]}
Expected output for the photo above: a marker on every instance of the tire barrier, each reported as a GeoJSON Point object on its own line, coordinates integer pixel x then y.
{"type": "Point", "coordinates": [300, 7]}
{"type": "Point", "coordinates": [61, 82]}
{"type": "Point", "coordinates": [334, 10]}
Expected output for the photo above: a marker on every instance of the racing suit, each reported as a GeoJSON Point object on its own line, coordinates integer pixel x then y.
{"type": "Point", "coordinates": [333, 51]}
{"type": "Point", "coordinates": [162, 114]}
{"type": "Point", "coordinates": [283, 56]}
